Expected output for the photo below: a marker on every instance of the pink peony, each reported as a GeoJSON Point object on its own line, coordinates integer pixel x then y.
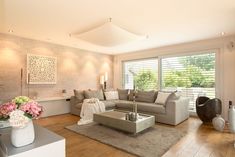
{"type": "Point", "coordinates": [6, 109]}
{"type": "Point", "coordinates": [32, 108]}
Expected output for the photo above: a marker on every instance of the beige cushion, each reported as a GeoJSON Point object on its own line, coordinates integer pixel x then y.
{"type": "Point", "coordinates": [94, 94]}
{"type": "Point", "coordinates": [162, 98]}
{"type": "Point", "coordinates": [123, 94]}
{"type": "Point", "coordinates": [79, 94]}
{"type": "Point", "coordinates": [111, 95]}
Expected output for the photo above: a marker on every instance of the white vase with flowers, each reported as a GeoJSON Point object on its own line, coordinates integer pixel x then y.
{"type": "Point", "coordinates": [20, 112]}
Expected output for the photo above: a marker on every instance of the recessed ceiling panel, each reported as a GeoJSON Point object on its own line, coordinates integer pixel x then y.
{"type": "Point", "coordinates": [108, 35]}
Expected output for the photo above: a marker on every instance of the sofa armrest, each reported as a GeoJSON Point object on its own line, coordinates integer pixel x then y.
{"type": "Point", "coordinates": [179, 109]}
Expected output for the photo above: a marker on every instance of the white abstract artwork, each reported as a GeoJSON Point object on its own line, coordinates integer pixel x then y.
{"type": "Point", "coordinates": [41, 69]}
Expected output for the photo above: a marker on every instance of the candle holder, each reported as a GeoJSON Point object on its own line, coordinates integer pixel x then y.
{"type": "Point", "coordinates": [103, 81]}
{"type": "Point", "coordinates": [28, 82]}
{"type": "Point", "coordinates": [105, 85]}
{"type": "Point", "coordinates": [21, 81]}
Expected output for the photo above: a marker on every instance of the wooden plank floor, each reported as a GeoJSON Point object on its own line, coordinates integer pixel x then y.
{"type": "Point", "coordinates": [200, 141]}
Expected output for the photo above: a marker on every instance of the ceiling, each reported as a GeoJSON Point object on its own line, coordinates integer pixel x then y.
{"type": "Point", "coordinates": [165, 22]}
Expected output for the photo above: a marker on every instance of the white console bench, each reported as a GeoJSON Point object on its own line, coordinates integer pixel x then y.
{"type": "Point", "coordinates": [54, 105]}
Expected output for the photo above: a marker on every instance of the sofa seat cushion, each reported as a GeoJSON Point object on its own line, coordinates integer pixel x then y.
{"type": "Point", "coordinates": [151, 107]}
{"type": "Point", "coordinates": [124, 104]}
{"type": "Point", "coordinates": [109, 103]}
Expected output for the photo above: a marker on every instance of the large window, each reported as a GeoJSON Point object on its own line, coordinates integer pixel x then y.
{"type": "Point", "coordinates": [192, 75]}
{"type": "Point", "coordinates": [143, 72]}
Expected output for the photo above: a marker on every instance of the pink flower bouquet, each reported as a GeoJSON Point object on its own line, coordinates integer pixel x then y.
{"type": "Point", "coordinates": [6, 109]}
{"type": "Point", "coordinates": [31, 109]}
{"type": "Point", "coordinates": [20, 111]}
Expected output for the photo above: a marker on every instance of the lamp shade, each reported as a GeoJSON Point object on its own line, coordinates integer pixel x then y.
{"type": "Point", "coordinates": [102, 79]}
{"type": "Point", "coordinates": [106, 76]}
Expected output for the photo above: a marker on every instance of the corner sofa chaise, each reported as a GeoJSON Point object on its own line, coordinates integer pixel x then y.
{"type": "Point", "coordinates": [173, 111]}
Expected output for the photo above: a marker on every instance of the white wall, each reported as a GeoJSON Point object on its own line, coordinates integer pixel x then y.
{"type": "Point", "coordinates": [225, 62]}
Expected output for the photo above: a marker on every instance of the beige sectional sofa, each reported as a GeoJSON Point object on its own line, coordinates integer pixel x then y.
{"type": "Point", "coordinates": [173, 112]}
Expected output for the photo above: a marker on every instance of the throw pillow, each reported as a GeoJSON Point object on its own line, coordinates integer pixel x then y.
{"type": "Point", "coordinates": [94, 94]}
{"type": "Point", "coordinates": [123, 94]}
{"type": "Point", "coordinates": [79, 94]}
{"type": "Point", "coordinates": [111, 95]}
{"type": "Point", "coordinates": [162, 98]}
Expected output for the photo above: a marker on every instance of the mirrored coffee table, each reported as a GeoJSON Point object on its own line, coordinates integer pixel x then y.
{"type": "Point", "coordinates": [117, 119]}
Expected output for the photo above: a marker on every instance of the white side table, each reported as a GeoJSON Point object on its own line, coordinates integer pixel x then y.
{"type": "Point", "coordinates": [46, 144]}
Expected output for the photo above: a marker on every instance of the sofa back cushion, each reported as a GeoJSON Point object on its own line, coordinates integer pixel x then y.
{"type": "Point", "coordinates": [123, 94]}
{"type": "Point", "coordinates": [79, 94]}
{"type": "Point", "coordinates": [111, 95]}
{"type": "Point", "coordinates": [146, 96]}
{"type": "Point", "coordinates": [94, 94]}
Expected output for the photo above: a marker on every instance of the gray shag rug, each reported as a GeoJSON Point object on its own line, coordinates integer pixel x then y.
{"type": "Point", "coordinates": [153, 142]}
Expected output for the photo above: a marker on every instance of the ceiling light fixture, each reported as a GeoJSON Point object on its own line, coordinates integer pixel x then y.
{"type": "Point", "coordinates": [10, 31]}
{"type": "Point", "coordinates": [108, 35]}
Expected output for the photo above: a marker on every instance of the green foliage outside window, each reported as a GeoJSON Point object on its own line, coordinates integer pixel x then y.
{"type": "Point", "coordinates": [146, 80]}
{"type": "Point", "coordinates": [204, 62]}
{"type": "Point", "coordinates": [195, 74]}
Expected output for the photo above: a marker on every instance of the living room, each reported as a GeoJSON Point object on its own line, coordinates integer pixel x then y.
{"type": "Point", "coordinates": [117, 78]}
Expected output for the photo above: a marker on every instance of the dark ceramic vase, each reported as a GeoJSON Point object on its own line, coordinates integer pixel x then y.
{"type": "Point", "coordinates": [208, 108]}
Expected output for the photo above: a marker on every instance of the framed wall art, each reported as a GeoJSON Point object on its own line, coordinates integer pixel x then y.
{"type": "Point", "coordinates": [41, 69]}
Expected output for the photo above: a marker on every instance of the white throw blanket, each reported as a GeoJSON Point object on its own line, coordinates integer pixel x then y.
{"type": "Point", "coordinates": [89, 107]}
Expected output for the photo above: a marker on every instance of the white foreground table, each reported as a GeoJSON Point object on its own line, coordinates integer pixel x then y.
{"type": "Point", "coordinates": [46, 144]}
